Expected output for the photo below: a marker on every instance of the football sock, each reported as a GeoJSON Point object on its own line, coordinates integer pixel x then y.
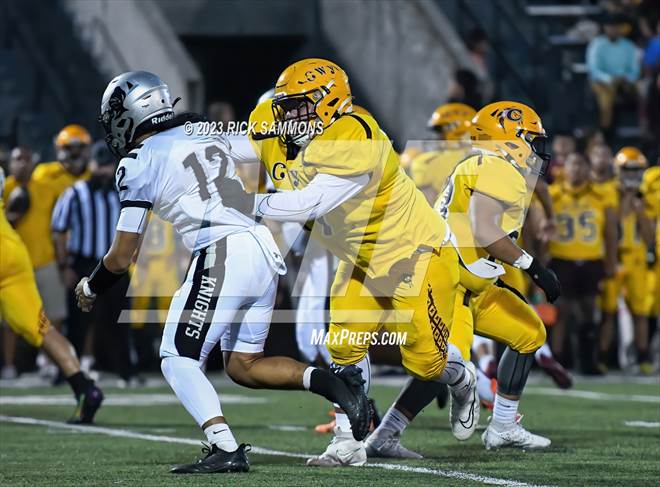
{"type": "Point", "coordinates": [220, 435]}
{"type": "Point", "coordinates": [544, 351]}
{"type": "Point", "coordinates": [504, 410]}
{"type": "Point", "coordinates": [79, 382]}
{"type": "Point", "coordinates": [394, 422]}
{"type": "Point", "coordinates": [416, 395]}
{"type": "Point", "coordinates": [343, 424]}
{"type": "Point", "coordinates": [192, 387]}
{"type": "Point", "coordinates": [454, 372]}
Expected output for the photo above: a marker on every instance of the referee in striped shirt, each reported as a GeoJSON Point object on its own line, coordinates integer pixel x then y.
{"type": "Point", "coordinates": [83, 224]}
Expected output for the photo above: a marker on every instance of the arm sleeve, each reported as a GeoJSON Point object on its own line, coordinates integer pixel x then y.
{"type": "Point", "coordinates": [593, 64]}
{"type": "Point", "coordinates": [132, 219]}
{"type": "Point", "coordinates": [323, 194]}
{"type": "Point", "coordinates": [60, 220]}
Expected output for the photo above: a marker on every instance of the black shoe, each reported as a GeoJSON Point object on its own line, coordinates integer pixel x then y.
{"type": "Point", "coordinates": [359, 413]}
{"type": "Point", "coordinates": [88, 403]}
{"type": "Point", "coordinates": [443, 396]}
{"type": "Point", "coordinates": [218, 461]}
{"type": "Point", "coordinates": [375, 415]}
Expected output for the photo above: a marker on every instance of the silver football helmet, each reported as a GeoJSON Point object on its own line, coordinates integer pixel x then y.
{"type": "Point", "coordinates": [135, 100]}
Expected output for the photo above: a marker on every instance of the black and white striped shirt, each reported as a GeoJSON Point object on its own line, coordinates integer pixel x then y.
{"type": "Point", "coordinates": [90, 215]}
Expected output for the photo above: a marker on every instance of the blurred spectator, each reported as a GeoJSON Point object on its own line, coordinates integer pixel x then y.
{"type": "Point", "coordinates": [479, 47]}
{"type": "Point", "coordinates": [651, 65]}
{"type": "Point", "coordinates": [613, 69]}
{"type": "Point", "coordinates": [602, 167]}
{"type": "Point", "coordinates": [464, 88]}
{"type": "Point", "coordinates": [83, 224]}
{"type": "Point", "coordinates": [563, 144]}
{"type": "Point", "coordinates": [221, 112]}
{"type": "Point", "coordinates": [29, 202]}
{"type": "Point", "coordinates": [583, 253]}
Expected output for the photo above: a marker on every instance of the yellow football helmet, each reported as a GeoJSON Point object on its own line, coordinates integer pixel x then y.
{"type": "Point", "coordinates": [630, 165]}
{"type": "Point", "coordinates": [311, 91]}
{"type": "Point", "coordinates": [71, 135]}
{"type": "Point", "coordinates": [73, 146]}
{"type": "Point", "coordinates": [514, 131]}
{"type": "Point", "coordinates": [452, 121]}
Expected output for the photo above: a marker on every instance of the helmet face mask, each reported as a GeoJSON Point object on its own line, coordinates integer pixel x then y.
{"type": "Point", "coordinates": [297, 117]}
{"type": "Point", "coordinates": [539, 159]}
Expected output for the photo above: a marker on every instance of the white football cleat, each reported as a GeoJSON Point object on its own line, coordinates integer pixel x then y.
{"type": "Point", "coordinates": [388, 446]}
{"type": "Point", "coordinates": [512, 436]}
{"type": "Point", "coordinates": [464, 409]}
{"type": "Point", "coordinates": [343, 451]}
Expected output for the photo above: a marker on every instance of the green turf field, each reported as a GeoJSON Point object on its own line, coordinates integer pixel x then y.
{"type": "Point", "coordinates": [592, 445]}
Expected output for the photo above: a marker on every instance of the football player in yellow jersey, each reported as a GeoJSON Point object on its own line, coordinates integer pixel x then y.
{"type": "Point", "coordinates": [156, 272]}
{"type": "Point", "coordinates": [583, 253]}
{"type": "Point", "coordinates": [651, 190]}
{"type": "Point", "coordinates": [21, 307]}
{"type": "Point", "coordinates": [485, 204]}
{"type": "Point", "coordinates": [396, 269]}
{"type": "Point", "coordinates": [430, 170]}
{"type": "Point", "coordinates": [635, 238]}
{"type": "Point", "coordinates": [44, 185]}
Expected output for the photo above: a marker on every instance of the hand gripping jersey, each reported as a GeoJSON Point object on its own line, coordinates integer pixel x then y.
{"type": "Point", "coordinates": [389, 220]}
{"type": "Point", "coordinates": [580, 214]}
{"type": "Point", "coordinates": [492, 176]}
{"type": "Point", "coordinates": [177, 175]}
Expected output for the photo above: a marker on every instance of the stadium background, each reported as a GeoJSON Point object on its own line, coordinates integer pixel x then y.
{"type": "Point", "coordinates": [404, 58]}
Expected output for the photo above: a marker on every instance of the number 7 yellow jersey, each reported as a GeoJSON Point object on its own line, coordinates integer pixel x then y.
{"type": "Point", "coordinates": [580, 214]}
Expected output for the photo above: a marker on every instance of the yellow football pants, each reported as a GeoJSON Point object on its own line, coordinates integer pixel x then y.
{"type": "Point", "coordinates": [633, 281]}
{"type": "Point", "coordinates": [20, 303]}
{"type": "Point", "coordinates": [497, 313]}
{"type": "Point", "coordinates": [416, 298]}
{"type": "Point", "coordinates": [159, 279]}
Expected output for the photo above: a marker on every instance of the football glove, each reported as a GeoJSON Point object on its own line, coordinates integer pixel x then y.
{"type": "Point", "coordinates": [545, 279]}
{"type": "Point", "coordinates": [234, 196]}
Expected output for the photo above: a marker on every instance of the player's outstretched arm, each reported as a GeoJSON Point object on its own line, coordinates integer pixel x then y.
{"type": "Point", "coordinates": [485, 214]}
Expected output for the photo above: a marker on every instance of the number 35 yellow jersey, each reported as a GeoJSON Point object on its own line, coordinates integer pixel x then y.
{"type": "Point", "coordinates": [580, 214]}
{"type": "Point", "coordinates": [386, 222]}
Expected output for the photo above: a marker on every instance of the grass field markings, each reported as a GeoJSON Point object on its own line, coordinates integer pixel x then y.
{"type": "Point", "coordinates": [642, 424]}
{"type": "Point", "coordinates": [591, 395]}
{"type": "Point", "coordinates": [122, 433]}
{"type": "Point", "coordinates": [147, 399]}
{"type": "Point", "coordinates": [286, 427]}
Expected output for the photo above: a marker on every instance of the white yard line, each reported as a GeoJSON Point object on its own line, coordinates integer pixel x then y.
{"type": "Point", "coordinates": [122, 433]}
{"type": "Point", "coordinates": [642, 424]}
{"type": "Point", "coordinates": [595, 396]}
{"type": "Point", "coordinates": [130, 399]}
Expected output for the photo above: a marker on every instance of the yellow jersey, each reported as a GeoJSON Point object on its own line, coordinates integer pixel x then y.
{"type": "Point", "coordinates": [48, 181]}
{"type": "Point", "coordinates": [610, 191]}
{"type": "Point", "coordinates": [580, 214]}
{"type": "Point", "coordinates": [434, 167]}
{"type": "Point", "coordinates": [386, 222]}
{"type": "Point", "coordinates": [650, 188]}
{"type": "Point", "coordinates": [494, 177]}
{"type": "Point", "coordinates": [158, 240]}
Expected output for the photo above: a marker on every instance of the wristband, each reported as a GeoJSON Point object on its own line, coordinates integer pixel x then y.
{"type": "Point", "coordinates": [87, 291]}
{"type": "Point", "coordinates": [524, 261]}
{"type": "Point", "coordinates": [102, 279]}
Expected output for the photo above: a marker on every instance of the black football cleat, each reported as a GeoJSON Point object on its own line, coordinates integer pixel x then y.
{"type": "Point", "coordinates": [359, 411]}
{"type": "Point", "coordinates": [218, 461]}
{"type": "Point", "coordinates": [88, 403]}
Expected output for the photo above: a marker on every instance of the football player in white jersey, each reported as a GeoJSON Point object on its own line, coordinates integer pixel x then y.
{"type": "Point", "coordinates": [229, 290]}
